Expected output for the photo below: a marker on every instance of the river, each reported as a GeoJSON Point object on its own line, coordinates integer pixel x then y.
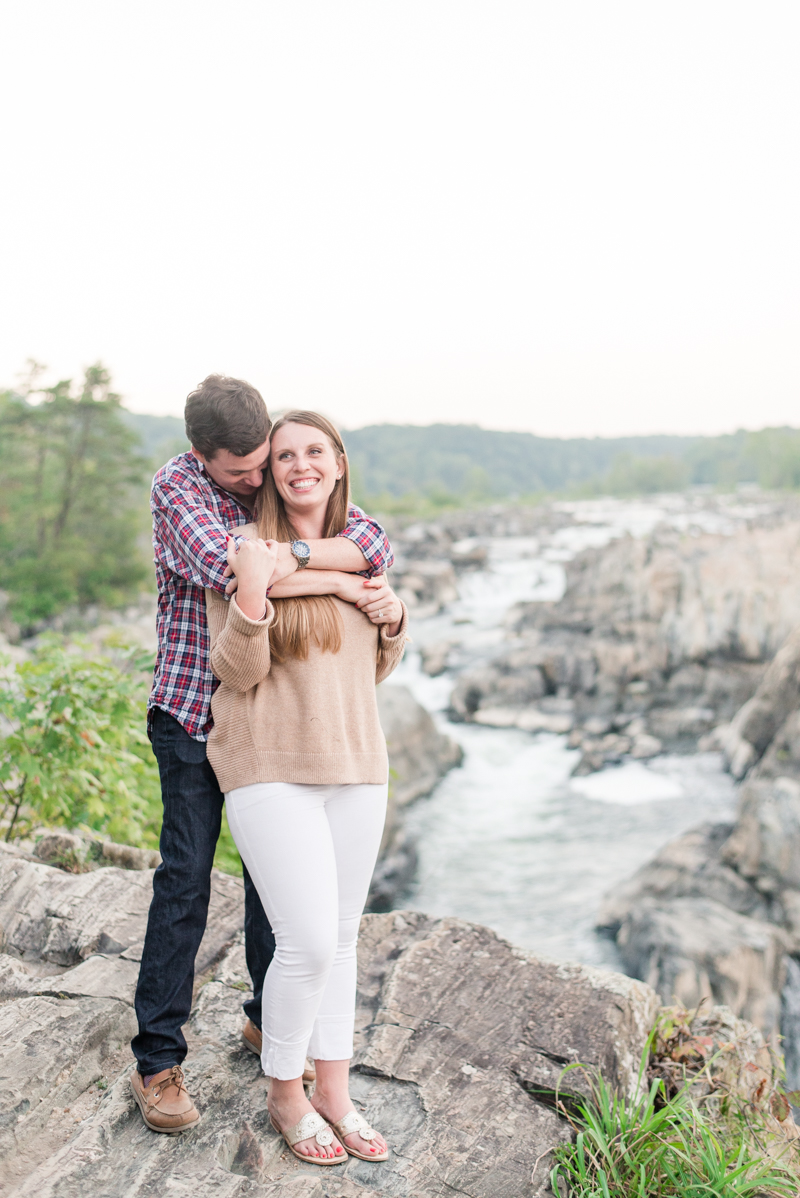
{"type": "Point", "coordinates": [510, 839]}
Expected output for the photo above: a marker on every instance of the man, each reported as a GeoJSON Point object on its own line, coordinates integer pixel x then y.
{"type": "Point", "coordinates": [196, 498]}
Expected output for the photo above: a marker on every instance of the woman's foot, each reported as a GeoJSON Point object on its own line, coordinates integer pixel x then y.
{"type": "Point", "coordinates": [356, 1143]}
{"type": "Point", "coordinates": [287, 1107]}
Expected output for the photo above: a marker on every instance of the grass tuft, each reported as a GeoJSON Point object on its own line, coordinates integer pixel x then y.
{"type": "Point", "coordinates": [660, 1146]}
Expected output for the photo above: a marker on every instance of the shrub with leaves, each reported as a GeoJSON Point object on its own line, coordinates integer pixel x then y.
{"type": "Point", "coordinates": [74, 749]}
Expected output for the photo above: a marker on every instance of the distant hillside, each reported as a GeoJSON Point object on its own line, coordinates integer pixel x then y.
{"type": "Point", "coordinates": [162, 436]}
{"type": "Point", "coordinates": [463, 462]}
{"type": "Point", "coordinates": [459, 458]}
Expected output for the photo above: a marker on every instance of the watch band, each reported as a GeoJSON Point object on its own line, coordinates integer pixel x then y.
{"type": "Point", "coordinates": [301, 552]}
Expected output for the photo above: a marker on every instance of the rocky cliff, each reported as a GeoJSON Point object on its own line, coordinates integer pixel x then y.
{"type": "Point", "coordinates": [656, 641]}
{"type": "Point", "coordinates": [717, 913]}
{"type": "Point", "coordinates": [460, 1042]}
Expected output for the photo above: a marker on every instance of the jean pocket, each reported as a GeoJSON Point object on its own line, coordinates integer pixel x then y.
{"type": "Point", "coordinates": [192, 752]}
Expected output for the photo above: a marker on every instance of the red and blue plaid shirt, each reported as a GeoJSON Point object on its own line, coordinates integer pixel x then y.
{"type": "Point", "coordinates": [191, 519]}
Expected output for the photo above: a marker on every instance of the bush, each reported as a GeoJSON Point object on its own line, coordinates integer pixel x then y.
{"type": "Point", "coordinates": [75, 751]}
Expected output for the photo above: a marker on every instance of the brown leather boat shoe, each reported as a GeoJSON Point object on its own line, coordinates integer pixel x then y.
{"type": "Point", "coordinates": [253, 1040]}
{"type": "Point", "coordinates": [165, 1104]}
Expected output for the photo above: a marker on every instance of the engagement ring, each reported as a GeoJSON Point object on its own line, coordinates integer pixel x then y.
{"type": "Point", "coordinates": [380, 613]}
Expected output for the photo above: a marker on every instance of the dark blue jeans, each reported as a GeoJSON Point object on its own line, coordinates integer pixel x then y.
{"type": "Point", "coordinates": [181, 890]}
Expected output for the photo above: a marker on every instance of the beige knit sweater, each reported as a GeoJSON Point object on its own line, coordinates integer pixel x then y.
{"type": "Point", "coordinates": [297, 721]}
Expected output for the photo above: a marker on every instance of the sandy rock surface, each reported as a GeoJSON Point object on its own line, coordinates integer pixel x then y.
{"type": "Point", "coordinates": [460, 1042]}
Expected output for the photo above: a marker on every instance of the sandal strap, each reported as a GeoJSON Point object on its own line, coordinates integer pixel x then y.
{"type": "Point", "coordinates": [351, 1124]}
{"type": "Point", "coordinates": [310, 1125]}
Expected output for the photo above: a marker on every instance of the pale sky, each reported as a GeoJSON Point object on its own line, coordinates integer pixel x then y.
{"type": "Point", "coordinates": [566, 217]}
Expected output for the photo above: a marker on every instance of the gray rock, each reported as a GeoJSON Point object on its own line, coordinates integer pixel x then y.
{"type": "Point", "coordinates": [63, 918]}
{"type": "Point", "coordinates": [764, 846]}
{"type": "Point", "coordinates": [687, 867]}
{"type": "Point", "coordinates": [694, 948]}
{"type": "Point", "coordinates": [58, 846]}
{"type": "Point", "coordinates": [127, 857]}
{"type": "Point", "coordinates": [434, 657]}
{"type": "Point", "coordinates": [425, 586]}
{"type": "Point", "coordinates": [419, 754]}
{"type": "Point", "coordinates": [460, 1044]}
{"type": "Point", "coordinates": [51, 1051]}
{"type": "Point", "coordinates": [758, 721]}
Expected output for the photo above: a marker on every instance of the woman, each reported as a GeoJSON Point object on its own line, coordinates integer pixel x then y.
{"type": "Point", "coordinates": [298, 750]}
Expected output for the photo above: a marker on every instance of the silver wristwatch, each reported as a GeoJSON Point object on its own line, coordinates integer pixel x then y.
{"type": "Point", "coordinates": [302, 552]}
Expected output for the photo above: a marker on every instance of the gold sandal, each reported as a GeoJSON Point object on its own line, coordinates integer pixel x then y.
{"type": "Point", "coordinates": [353, 1123]}
{"type": "Point", "coordinates": [310, 1125]}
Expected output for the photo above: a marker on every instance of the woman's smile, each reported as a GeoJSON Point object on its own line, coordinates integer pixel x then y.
{"type": "Point", "coordinates": [305, 467]}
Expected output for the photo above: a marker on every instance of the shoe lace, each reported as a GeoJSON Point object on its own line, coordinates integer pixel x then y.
{"type": "Point", "coordinates": [175, 1078]}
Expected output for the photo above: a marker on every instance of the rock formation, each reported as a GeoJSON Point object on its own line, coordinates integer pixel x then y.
{"type": "Point", "coordinates": [419, 755]}
{"type": "Point", "coordinates": [717, 912]}
{"type": "Point", "coordinates": [461, 1040]}
{"type": "Point", "coordinates": [656, 641]}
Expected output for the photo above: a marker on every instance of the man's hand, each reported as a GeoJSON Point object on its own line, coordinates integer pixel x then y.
{"type": "Point", "coordinates": [252, 564]}
{"type": "Point", "coordinates": [380, 604]}
{"type": "Point", "coordinates": [374, 597]}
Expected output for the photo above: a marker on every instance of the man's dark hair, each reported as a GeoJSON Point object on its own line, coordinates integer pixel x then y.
{"type": "Point", "coordinates": [225, 413]}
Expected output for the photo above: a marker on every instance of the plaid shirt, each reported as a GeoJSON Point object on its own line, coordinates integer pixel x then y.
{"type": "Point", "coordinates": [191, 519]}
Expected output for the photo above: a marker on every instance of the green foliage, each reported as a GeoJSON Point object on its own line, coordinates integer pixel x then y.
{"type": "Point", "coordinates": [468, 464]}
{"type": "Point", "coordinates": [75, 750]}
{"type": "Point", "coordinates": [659, 1147]}
{"type": "Point", "coordinates": [72, 501]}
{"type": "Point", "coordinates": [415, 471]}
{"type": "Point", "coordinates": [227, 856]}
{"type": "Point", "coordinates": [630, 475]}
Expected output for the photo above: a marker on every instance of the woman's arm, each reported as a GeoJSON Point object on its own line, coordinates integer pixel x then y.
{"type": "Point", "coordinates": [239, 628]}
{"type": "Point", "coordinates": [391, 645]}
{"type": "Point", "coordinates": [239, 646]}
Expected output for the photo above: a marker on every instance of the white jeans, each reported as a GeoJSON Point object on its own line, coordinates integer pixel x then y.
{"type": "Point", "coordinates": [310, 851]}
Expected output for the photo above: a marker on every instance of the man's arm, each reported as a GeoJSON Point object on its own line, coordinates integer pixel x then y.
{"type": "Point", "coordinates": [361, 547]}
{"type": "Point", "coordinates": [309, 582]}
{"type": "Point", "coordinates": [188, 539]}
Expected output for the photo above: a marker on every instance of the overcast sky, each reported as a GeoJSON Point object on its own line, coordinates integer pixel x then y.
{"type": "Point", "coordinates": [566, 217]}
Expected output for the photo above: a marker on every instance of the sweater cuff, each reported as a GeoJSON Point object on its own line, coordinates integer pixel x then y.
{"type": "Point", "coordinates": [401, 632]}
{"type": "Point", "coordinates": [243, 624]}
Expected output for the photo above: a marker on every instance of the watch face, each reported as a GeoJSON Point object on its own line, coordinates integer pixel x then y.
{"type": "Point", "coordinates": [301, 549]}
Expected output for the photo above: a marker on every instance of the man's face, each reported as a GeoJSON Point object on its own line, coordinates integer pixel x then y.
{"type": "Point", "coordinates": [242, 476]}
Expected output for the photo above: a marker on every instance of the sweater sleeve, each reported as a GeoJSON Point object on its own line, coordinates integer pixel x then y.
{"type": "Point", "coordinates": [390, 648]}
{"type": "Point", "coordinates": [239, 646]}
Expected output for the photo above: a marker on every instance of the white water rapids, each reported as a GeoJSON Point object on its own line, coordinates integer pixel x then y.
{"type": "Point", "coordinates": [510, 840]}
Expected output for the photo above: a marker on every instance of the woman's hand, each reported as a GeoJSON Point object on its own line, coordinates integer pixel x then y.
{"type": "Point", "coordinates": [252, 564]}
{"type": "Point", "coordinates": [380, 604]}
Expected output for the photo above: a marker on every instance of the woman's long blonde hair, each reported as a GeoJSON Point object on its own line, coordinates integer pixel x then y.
{"type": "Point", "coordinates": [315, 618]}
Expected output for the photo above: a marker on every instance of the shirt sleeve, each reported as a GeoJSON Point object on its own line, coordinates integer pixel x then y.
{"type": "Point", "coordinates": [189, 539]}
{"type": "Point", "coordinates": [371, 540]}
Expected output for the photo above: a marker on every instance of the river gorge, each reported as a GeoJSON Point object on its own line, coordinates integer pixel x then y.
{"type": "Point", "coordinates": [589, 659]}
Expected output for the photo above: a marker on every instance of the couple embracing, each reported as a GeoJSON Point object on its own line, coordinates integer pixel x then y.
{"type": "Point", "coordinates": [274, 626]}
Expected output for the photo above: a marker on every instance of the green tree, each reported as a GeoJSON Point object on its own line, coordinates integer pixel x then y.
{"type": "Point", "coordinates": [71, 502]}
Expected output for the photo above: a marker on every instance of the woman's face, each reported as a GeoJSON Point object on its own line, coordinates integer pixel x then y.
{"type": "Point", "coordinates": [305, 467]}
